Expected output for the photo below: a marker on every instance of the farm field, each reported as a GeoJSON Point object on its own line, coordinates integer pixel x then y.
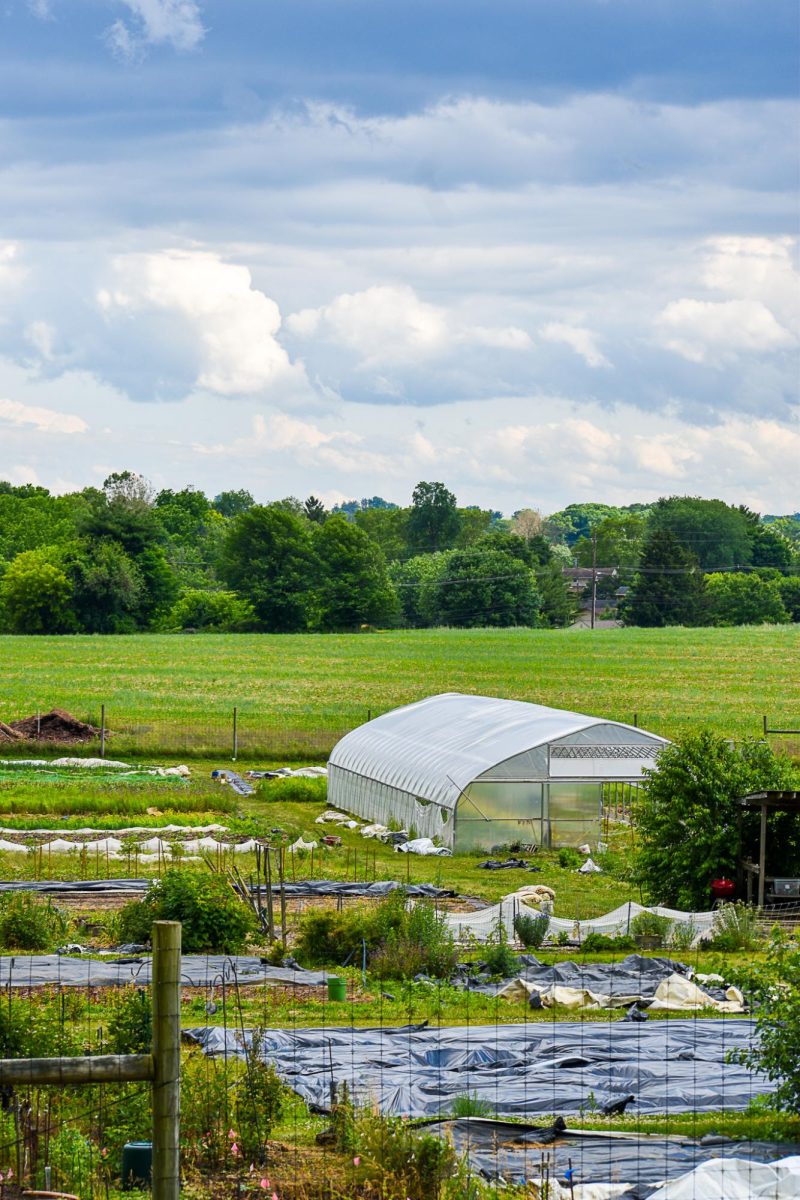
{"type": "Point", "coordinates": [309, 684]}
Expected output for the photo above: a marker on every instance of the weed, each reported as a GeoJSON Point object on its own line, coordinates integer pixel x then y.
{"type": "Point", "coordinates": [30, 923]}
{"type": "Point", "coordinates": [531, 931]}
{"type": "Point", "coordinates": [735, 928]}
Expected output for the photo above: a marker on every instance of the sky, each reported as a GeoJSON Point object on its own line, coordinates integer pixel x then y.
{"type": "Point", "coordinates": [545, 251]}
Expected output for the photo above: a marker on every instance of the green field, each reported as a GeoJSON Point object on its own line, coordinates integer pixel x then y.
{"type": "Point", "coordinates": [318, 685]}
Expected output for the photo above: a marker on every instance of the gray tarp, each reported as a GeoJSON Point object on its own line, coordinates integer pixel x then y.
{"type": "Point", "coordinates": [75, 886]}
{"type": "Point", "coordinates": [303, 887]}
{"type": "Point", "coordinates": [513, 1151]}
{"type": "Point", "coordinates": [197, 970]}
{"type": "Point", "coordinates": [676, 1065]}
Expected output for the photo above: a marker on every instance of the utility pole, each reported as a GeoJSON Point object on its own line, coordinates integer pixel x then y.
{"type": "Point", "coordinates": [594, 576]}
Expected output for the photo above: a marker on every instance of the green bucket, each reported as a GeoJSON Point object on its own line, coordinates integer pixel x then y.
{"type": "Point", "coordinates": [337, 988]}
{"type": "Point", "coordinates": [137, 1164]}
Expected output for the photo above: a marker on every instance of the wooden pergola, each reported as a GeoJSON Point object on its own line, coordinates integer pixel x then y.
{"type": "Point", "coordinates": [768, 802]}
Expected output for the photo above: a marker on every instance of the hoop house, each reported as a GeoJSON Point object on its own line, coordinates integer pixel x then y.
{"type": "Point", "coordinates": [477, 772]}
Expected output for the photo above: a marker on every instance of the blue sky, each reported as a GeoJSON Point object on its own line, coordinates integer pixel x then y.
{"type": "Point", "coordinates": [546, 251]}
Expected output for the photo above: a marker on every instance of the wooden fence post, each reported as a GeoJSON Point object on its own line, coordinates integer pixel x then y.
{"type": "Point", "coordinates": [166, 1059]}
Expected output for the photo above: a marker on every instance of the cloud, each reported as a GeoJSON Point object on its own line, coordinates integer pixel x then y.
{"type": "Point", "coordinates": [41, 9]}
{"type": "Point", "coordinates": [582, 341]}
{"type": "Point", "coordinates": [45, 420]}
{"type": "Point", "coordinates": [382, 324]}
{"type": "Point", "coordinates": [759, 314]}
{"type": "Point", "coordinates": [219, 329]}
{"type": "Point", "coordinates": [176, 23]}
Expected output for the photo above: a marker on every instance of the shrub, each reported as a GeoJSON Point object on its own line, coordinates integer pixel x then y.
{"type": "Point", "coordinates": [776, 1050]}
{"type": "Point", "coordinates": [130, 1023]}
{"type": "Point", "coordinates": [259, 1100]}
{"type": "Point", "coordinates": [499, 959]}
{"type": "Point", "coordinates": [398, 1161]}
{"type": "Point", "coordinates": [569, 859]}
{"type": "Point", "coordinates": [682, 935]}
{"type": "Point", "coordinates": [399, 942]}
{"type": "Point", "coordinates": [30, 923]}
{"type": "Point", "coordinates": [531, 931]}
{"type": "Point", "coordinates": [735, 928]}
{"type": "Point", "coordinates": [601, 941]}
{"type": "Point", "coordinates": [647, 924]}
{"type": "Point", "coordinates": [213, 918]}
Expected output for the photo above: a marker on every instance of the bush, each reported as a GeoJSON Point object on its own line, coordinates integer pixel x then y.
{"type": "Point", "coordinates": [259, 1100]}
{"type": "Point", "coordinates": [30, 923]}
{"type": "Point", "coordinates": [682, 935]}
{"type": "Point", "coordinates": [735, 928]}
{"type": "Point", "coordinates": [499, 959]}
{"type": "Point", "coordinates": [400, 943]}
{"type": "Point", "coordinates": [399, 1161]}
{"type": "Point", "coordinates": [600, 941]}
{"type": "Point", "coordinates": [569, 859]}
{"type": "Point", "coordinates": [531, 931]}
{"type": "Point", "coordinates": [647, 924]}
{"type": "Point", "coordinates": [776, 1050]}
{"type": "Point", "coordinates": [130, 1024]}
{"type": "Point", "coordinates": [214, 920]}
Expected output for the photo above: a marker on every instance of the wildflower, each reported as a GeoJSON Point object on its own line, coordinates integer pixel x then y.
{"type": "Point", "coordinates": [264, 1185]}
{"type": "Point", "coordinates": [235, 1150]}
{"type": "Point", "coordinates": [356, 1161]}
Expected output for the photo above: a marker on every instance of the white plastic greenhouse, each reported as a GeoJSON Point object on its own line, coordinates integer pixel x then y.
{"type": "Point", "coordinates": [477, 772]}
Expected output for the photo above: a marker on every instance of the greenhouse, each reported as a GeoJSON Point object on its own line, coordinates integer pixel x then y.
{"type": "Point", "coordinates": [478, 772]}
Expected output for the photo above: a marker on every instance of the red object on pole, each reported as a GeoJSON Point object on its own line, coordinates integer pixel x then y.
{"type": "Point", "coordinates": [723, 889]}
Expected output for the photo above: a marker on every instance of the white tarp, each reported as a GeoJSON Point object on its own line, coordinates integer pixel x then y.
{"type": "Point", "coordinates": [422, 846]}
{"type": "Point", "coordinates": [736, 1179]}
{"type": "Point", "coordinates": [673, 994]}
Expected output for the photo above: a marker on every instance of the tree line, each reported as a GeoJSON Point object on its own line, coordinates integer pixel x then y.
{"type": "Point", "coordinates": [125, 558]}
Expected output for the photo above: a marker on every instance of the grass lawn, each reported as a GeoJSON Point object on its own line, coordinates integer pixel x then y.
{"type": "Point", "coordinates": [300, 692]}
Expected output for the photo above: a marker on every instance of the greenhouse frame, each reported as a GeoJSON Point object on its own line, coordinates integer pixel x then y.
{"type": "Point", "coordinates": [477, 772]}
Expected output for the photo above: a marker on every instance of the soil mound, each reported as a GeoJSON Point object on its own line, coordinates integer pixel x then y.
{"type": "Point", "coordinates": [55, 726]}
{"type": "Point", "coordinates": [7, 734]}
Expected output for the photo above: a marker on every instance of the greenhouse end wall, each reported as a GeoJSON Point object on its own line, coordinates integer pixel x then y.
{"type": "Point", "coordinates": [495, 814]}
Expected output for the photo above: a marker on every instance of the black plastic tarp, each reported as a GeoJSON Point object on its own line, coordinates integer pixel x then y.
{"type": "Point", "coordinates": [676, 1065]}
{"type": "Point", "coordinates": [338, 887]}
{"type": "Point", "coordinates": [197, 970]}
{"type": "Point", "coordinates": [89, 886]}
{"type": "Point", "coordinates": [515, 1152]}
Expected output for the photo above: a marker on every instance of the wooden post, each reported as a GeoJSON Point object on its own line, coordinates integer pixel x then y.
{"type": "Point", "coordinates": [762, 856]}
{"type": "Point", "coordinates": [235, 734]}
{"type": "Point", "coordinates": [102, 730]}
{"type": "Point", "coordinates": [166, 1059]}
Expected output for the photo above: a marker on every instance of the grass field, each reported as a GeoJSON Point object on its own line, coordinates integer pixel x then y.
{"type": "Point", "coordinates": [312, 686]}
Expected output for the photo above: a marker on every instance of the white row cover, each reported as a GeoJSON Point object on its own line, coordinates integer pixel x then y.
{"type": "Point", "coordinates": [435, 748]}
{"type": "Point", "coordinates": [150, 850]}
{"type": "Point", "coordinates": [128, 831]}
{"type": "Point", "coordinates": [483, 925]}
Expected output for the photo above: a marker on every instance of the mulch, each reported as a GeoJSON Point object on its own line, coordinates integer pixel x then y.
{"type": "Point", "coordinates": [55, 726]}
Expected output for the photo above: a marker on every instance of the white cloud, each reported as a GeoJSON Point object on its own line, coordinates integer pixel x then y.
{"type": "Point", "coordinates": [759, 313]}
{"type": "Point", "coordinates": [10, 271]}
{"type": "Point", "coordinates": [717, 331]}
{"type": "Point", "coordinates": [41, 336]}
{"type": "Point", "coordinates": [41, 9]}
{"type": "Point", "coordinates": [176, 23]}
{"type": "Point", "coordinates": [232, 326]}
{"type": "Point", "coordinates": [582, 341]}
{"type": "Point", "coordinates": [382, 324]}
{"type": "Point", "coordinates": [46, 420]}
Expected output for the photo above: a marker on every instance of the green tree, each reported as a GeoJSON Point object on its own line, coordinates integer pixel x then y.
{"type": "Point", "coordinates": [688, 817]}
{"type": "Point", "coordinates": [417, 582]}
{"type": "Point", "coordinates": [233, 503]}
{"type": "Point", "coordinates": [789, 588]}
{"type": "Point", "coordinates": [107, 587]}
{"type": "Point", "coordinates": [717, 534]}
{"type": "Point", "coordinates": [353, 587]}
{"type": "Point", "coordinates": [558, 602]}
{"type": "Point", "coordinates": [386, 527]}
{"type": "Point", "coordinates": [577, 521]}
{"type": "Point", "coordinates": [620, 539]}
{"type": "Point", "coordinates": [315, 510]}
{"type": "Point", "coordinates": [744, 599]}
{"type": "Point", "coordinates": [474, 524]}
{"type": "Point", "coordinates": [769, 548]}
{"type": "Point", "coordinates": [269, 560]}
{"type": "Point", "coordinates": [214, 612]}
{"type": "Point", "coordinates": [480, 588]}
{"type": "Point", "coordinates": [669, 589]}
{"type": "Point", "coordinates": [36, 594]}
{"type": "Point", "coordinates": [433, 522]}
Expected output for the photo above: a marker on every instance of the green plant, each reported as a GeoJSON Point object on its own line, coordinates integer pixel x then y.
{"type": "Point", "coordinates": [398, 1161]}
{"type": "Point", "coordinates": [214, 919]}
{"type": "Point", "coordinates": [563, 938]}
{"type": "Point", "coordinates": [682, 935]}
{"type": "Point", "coordinates": [130, 1022]}
{"type": "Point", "coordinates": [259, 1100]}
{"type": "Point", "coordinates": [647, 924]}
{"type": "Point", "coordinates": [594, 942]}
{"type": "Point", "coordinates": [470, 1105]}
{"type": "Point", "coordinates": [776, 1051]}
{"type": "Point", "coordinates": [569, 859]}
{"type": "Point", "coordinates": [531, 931]}
{"type": "Point", "coordinates": [498, 957]}
{"type": "Point", "coordinates": [30, 923]}
{"type": "Point", "coordinates": [735, 928]}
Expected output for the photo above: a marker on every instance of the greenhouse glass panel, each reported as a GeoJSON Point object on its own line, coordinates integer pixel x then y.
{"type": "Point", "coordinates": [497, 814]}
{"type": "Point", "coordinates": [574, 813]}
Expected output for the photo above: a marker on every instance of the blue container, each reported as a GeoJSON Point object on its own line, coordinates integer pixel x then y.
{"type": "Point", "coordinates": [137, 1165]}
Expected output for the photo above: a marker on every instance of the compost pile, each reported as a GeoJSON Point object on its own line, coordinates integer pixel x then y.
{"type": "Point", "coordinates": [55, 726]}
